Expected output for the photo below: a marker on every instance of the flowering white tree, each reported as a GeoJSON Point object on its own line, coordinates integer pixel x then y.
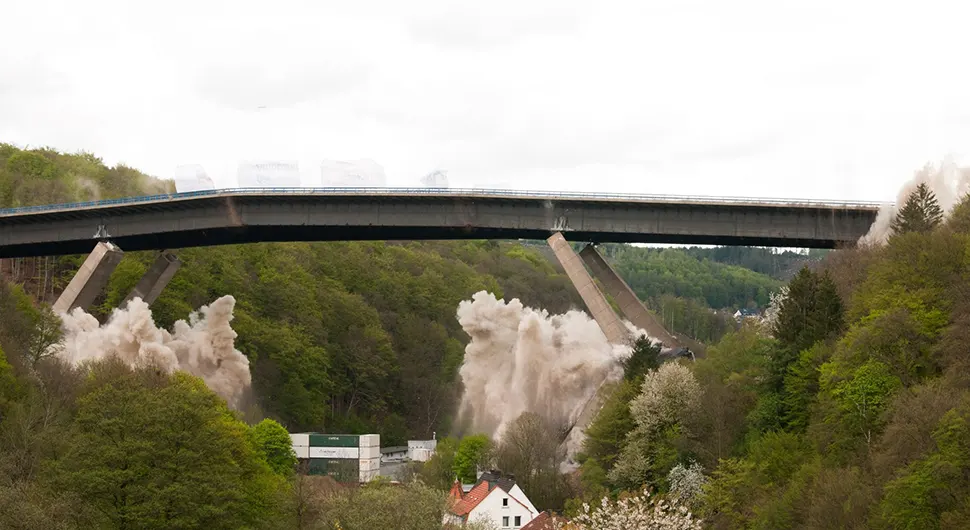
{"type": "Point", "coordinates": [668, 396]}
{"type": "Point", "coordinates": [686, 483]}
{"type": "Point", "coordinates": [774, 307]}
{"type": "Point", "coordinates": [667, 393]}
{"type": "Point", "coordinates": [641, 512]}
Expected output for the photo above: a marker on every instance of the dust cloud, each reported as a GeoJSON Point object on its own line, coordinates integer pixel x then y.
{"type": "Point", "coordinates": [947, 181]}
{"type": "Point", "coordinates": [521, 359]}
{"type": "Point", "coordinates": [203, 346]}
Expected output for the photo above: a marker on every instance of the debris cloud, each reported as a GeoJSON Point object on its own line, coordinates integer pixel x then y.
{"type": "Point", "coordinates": [521, 359]}
{"type": "Point", "coordinates": [947, 181]}
{"type": "Point", "coordinates": [204, 346]}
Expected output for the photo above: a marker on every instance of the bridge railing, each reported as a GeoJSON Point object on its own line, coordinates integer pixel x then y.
{"type": "Point", "coordinates": [457, 192]}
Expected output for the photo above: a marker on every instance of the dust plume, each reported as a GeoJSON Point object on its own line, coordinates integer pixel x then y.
{"type": "Point", "coordinates": [947, 181]}
{"type": "Point", "coordinates": [203, 346]}
{"type": "Point", "coordinates": [521, 359]}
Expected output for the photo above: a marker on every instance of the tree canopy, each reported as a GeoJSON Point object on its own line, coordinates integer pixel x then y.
{"type": "Point", "coordinates": [273, 442]}
{"type": "Point", "coordinates": [920, 213]}
{"type": "Point", "coordinates": [156, 451]}
{"type": "Point", "coordinates": [474, 453]}
{"type": "Point", "coordinates": [848, 411]}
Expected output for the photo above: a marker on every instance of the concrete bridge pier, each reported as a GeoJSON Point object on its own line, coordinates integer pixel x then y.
{"type": "Point", "coordinates": [630, 305]}
{"type": "Point", "coordinates": [90, 279]}
{"type": "Point", "coordinates": [599, 308]}
{"type": "Point", "coordinates": [154, 281]}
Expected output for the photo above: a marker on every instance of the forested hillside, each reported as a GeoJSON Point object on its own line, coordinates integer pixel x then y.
{"type": "Point", "coordinates": [781, 265]}
{"type": "Point", "coordinates": [352, 337]}
{"type": "Point", "coordinates": [655, 272]}
{"type": "Point", "coordinates": [46, 176]}
{"type": "Point", "coordinates": [850, 409]}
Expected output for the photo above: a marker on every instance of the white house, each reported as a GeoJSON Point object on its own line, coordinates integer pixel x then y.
{"type": "Point", "coordinates": [745, 314]}
{"type": "Point", "coordinates": [494, 498]}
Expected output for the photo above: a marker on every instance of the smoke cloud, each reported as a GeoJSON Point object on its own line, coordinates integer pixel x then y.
{"type": "Point", "coordinates": [521, 359]}
{"type": "Point", "coordinates": [947, 181]}
{"type": "Point", "coordinates": [203, 346]}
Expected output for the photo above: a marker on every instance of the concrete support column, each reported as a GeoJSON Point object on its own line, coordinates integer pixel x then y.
{"type": "Point", "coordinates": [90, 279]}
{"type": "Point", "coordinates": [630, 305]}
{"type": "Point", "coordinates": [595, 302]}
{"type": "Point", "coordinates": [154, 281]}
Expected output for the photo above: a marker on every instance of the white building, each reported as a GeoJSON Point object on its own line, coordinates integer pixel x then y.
{"type": "Point", "coordinates": [421, 450]}
{"type": "Point", "coordinates": [395, 453]}
{"type": "Point", "coordinates": [494, 498]}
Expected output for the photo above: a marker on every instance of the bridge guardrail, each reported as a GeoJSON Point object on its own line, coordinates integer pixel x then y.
{"type": "Point", "coordinates": [458, 192]}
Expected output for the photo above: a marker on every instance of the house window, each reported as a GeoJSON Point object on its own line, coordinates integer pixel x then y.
{"type": "Point", "coordinates": [505, 502]}
{"type": "Point", "coordinates": [505, 521]}
{"type": "Point", "coordinates": [518, 521]}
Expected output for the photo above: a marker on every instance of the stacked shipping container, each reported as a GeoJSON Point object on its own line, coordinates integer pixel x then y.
{"type": "Point", "coordinates": [345, 457]}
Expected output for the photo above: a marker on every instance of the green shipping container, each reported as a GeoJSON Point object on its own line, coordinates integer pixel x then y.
{"type": "Point", "coordinates": [339, 470]}
{"type": "Point", "coordinates": [334, 440]}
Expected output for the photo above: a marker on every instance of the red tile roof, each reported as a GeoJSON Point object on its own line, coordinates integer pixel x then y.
{"type": "Point", "coordinates": [462, 505]}
{"type": "Point", "coordinates": [455, 494]}
{"type": "Point", "coordinates": [471, 499]}
{"type": "Point", "coordinates": [543, 521]}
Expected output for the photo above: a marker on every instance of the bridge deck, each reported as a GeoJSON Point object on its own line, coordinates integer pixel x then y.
{"type": "Point", "coordinates": [215, 217]}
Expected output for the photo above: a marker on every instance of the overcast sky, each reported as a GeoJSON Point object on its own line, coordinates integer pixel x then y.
{"type": "Point", "coordinates": [817, 99]}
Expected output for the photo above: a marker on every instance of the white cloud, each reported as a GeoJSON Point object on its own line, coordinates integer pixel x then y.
{"type": "Point", "coordinates": [756, 97]}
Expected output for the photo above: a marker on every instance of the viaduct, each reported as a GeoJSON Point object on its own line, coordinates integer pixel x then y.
{"type": "Point", "coordinates": [217, 217]}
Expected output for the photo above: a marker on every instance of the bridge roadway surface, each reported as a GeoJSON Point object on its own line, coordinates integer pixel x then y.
{"type": "Point", "coordinates": [246, 215]}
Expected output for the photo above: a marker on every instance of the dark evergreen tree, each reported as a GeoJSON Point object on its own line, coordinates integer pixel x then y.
{"type": "Point", "coordinates": [921, 212]}
{"type": "Point", "coordinates": [812, 312]}
{"type": "Point", "coordinates": [645, 357]}
{"type": "Point", "coordinates": [830, 312]}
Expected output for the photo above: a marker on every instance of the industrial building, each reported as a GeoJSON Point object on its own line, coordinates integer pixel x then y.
{"type": "Point", "coordinates": [344, 457]}
{"type": "Point", "coordinates": [421, 450]}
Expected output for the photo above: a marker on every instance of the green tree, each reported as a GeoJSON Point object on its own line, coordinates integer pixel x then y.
{"type": "Point", "coordinates": [439, 471]}
{"type": "Point", "coordinates": [811, 312]}
{"type": "Point", "coordinates": [474, 453]}
{"type": "Point", "coordinates": [26, 332]}
{"type": "Point", "coordinates": [732, 375]}
{"type": "Point", "coordinates": [959, 218]}
{"type": "Point", "coordinates": [740, 490]}
{"type": "Point", "coordinates": [606, 434]}
{"type": "Point", "coordinates": [645, 357]}
{"type": "Point", "coordinates": [801, 386]}
{"type": "Point", "coordinates": [154, 451]}
{"type": "Point", "coordinates": [932, 492]}
{"type": "Point", "coordinates": [863, 397]}
{"type": "Point", "coordinates": [273, 441]}
{"type": "Point", "coordinates": [920, 213]}
{"type": "Point", "coordinates": [411, 507]}
{"type": "Point", "coordinates": [44, 341]}
{"type": "Point", "coordinates": [31, 165]}
{"type": "Point", "coordinates": [9, 386]}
